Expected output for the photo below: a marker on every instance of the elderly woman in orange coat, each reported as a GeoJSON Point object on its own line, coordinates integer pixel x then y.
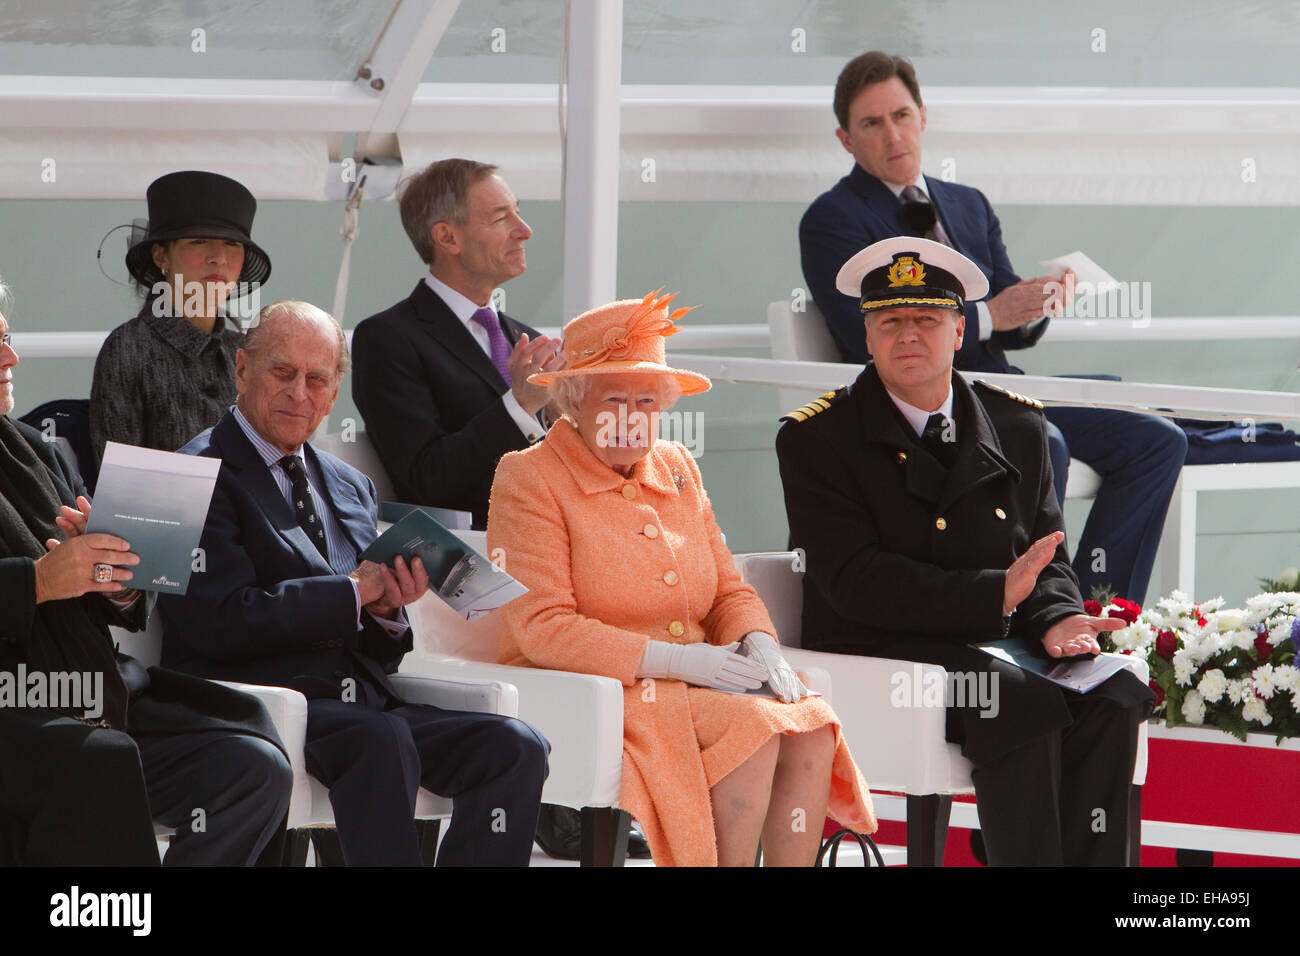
{"type": "Point", "coordinates": [628, 577]}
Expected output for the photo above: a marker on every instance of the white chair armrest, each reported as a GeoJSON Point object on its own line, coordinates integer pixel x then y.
{"type": "Point", "coordinates": [288, 710]}
{"type": "Point", "coordinates": [897, 748]}
{"type": "Point", "coordinates": [580, 714]}
{"type": "Point", "coordinates": [458, 692]}
{"type": "Point", "coordinates": [814, 678]}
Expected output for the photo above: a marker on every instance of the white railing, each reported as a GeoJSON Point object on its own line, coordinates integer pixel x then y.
{"type": "Point", "coordinates": [1227, 403]}
{"type": "Point", "coordinates": [692, 337]}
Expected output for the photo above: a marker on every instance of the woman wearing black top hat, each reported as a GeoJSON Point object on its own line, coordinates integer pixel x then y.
{"type": "Point", "coordinates": [169, 373]}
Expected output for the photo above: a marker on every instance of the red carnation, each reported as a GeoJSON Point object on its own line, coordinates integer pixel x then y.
{"type": "Point", "coordinates": [1160, 695]}
{"type": "Point", "coordinates": [1263, 649]}
{"type": "Point", "coordinates": [1125, 610]}
{"type": "Point", "coordinates": [1166, 644]}
{"type": "Point", "coordinates": [1092, 608]}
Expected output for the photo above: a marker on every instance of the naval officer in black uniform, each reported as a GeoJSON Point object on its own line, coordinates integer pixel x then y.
{"type": "Point", "coordinates": [927, 514]}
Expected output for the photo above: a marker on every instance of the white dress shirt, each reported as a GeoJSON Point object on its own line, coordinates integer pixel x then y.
{"type": "Point", "coordinates": [917, 417]}
{"type": "Point", "coordinates": [464, 310]}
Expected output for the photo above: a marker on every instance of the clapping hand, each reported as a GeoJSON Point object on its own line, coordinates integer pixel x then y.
{"type": "Point", "coordinates": [1077, 634]}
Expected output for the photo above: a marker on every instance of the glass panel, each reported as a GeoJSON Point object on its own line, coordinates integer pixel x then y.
{"type": "Point", "coordinates": [952, 42]}
{"type": "Point", "coordinates": [241, 39]}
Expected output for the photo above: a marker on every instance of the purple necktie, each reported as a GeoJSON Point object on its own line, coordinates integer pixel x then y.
{"type": "Point", "coordinates": [496, 340]}
{"type": "Point", "coordinates": [915, 194]}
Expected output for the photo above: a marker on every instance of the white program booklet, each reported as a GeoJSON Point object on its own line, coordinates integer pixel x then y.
{"type": "Point", "coordinates": [158, 501]}
{"type": "Point", "coordinates": [1085, 270]}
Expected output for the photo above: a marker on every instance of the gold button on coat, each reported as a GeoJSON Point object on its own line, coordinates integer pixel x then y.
{"type": "Point", "coordinates": [940, 523]}
{"type": "Point", "coordinates": [629, 492]}
{"type": "Point", "coordinates": [651, 531]}
{"type": "Point", "coordinates": [902, 457]}
{"type": "Point", "coordinates": [676, 629]}
{"type": "Point", "coordinates": [1000, 513]}
{"type": "Point", "coordinates": [670, 578]}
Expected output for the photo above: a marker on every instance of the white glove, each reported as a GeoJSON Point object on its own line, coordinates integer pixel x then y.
{"type": "Point", "coordinates": [704, 665]}
{"type": "Point", "coordinates": [785, 683]}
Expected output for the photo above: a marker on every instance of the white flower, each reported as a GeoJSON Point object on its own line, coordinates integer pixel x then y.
{"type": "Point", "coordinates": [1184, 667]}
{"type": "Point", "coordinates": [1263, 677]}
{"type": "Point", "coordinates": [1239, 690]}
{"type": "Point", "coordinates": [1136, 637]}
{"type": "Point", "coordinates": [1194, 708]}
{"type": "Point", "coordinates": [1229, 620]}
{"type": "Point", "coordinates": [1242, 639]}
{"type": "Point", "coordinates": [1255, 710]}
{"type": "Point", "coordinates": [1212, 686]}
{"type": "Point", "coordinates": [1284, 678]}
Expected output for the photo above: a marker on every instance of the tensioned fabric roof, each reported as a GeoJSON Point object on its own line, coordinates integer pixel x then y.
{"type": "Point", "coordinates": [1167, 102]}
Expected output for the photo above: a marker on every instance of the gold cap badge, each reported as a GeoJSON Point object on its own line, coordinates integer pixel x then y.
{"type": "Point", "coordinates": [906, 271]}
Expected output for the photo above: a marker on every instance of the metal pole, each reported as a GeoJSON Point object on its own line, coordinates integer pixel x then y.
{"type": "Point", "coordinates": [594, 67]}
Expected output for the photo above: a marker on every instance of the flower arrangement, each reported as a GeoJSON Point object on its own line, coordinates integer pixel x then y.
{"type": "Point", "coordinates": [1223, 667]}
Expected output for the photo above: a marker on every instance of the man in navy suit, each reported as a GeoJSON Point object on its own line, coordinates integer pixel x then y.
{"type": "Point", "coordinates": [441, 377]}
{"type": "Point", "coordinates": [283, 601]}
{"type": "Point", "coordinates": [881, 118]}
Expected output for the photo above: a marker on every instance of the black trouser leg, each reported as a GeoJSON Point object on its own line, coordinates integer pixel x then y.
{"type": "Point", "coordinates": [1019, 798]}
{"type": "Point", "coordinates": [1097, 751]}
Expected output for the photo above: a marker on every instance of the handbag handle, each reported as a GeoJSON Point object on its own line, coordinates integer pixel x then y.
{"type": "Point", "coordinates": [833, 844]}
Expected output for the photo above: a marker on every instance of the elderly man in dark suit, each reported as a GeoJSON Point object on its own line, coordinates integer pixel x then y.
{"type": "Point", "coordinates": [927, 514]}
{"type": "Point", "coordinates": [441, 377]}
{"type": "Point", "coordinates": [881, 118]}
{"type": "Point", "coordinates": [284, 601]}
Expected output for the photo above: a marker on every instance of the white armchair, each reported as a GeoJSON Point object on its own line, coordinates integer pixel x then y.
{"type": "Point", "coordinates": [309, 804]}
{"type": "Point", "coordinates": [899, 749]}
{"type": "Point", "coordinates": [580, 714]}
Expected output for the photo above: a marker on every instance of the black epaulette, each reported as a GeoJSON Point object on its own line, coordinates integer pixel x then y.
{"type": "Point", "coordinates": [1014, 396]}
{"type": "Point", "coordinates": [805, 412]}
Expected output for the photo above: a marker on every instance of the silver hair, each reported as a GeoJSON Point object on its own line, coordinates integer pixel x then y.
{"type": "Point", "coordinates": [438, 193]}
{"type": "Point", "coordinates": [568, 391]}
{"type": "Point", "coordinates": [302, 312]}
{"type": "Point", "coordinates": [6, 297]}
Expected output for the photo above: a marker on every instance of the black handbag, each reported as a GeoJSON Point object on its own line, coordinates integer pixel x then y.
{"type": "Point", "coordinates": [835, 839]}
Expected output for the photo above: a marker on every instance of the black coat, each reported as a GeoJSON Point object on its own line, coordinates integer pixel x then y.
{"type": "Point", "coordinates": [431, 399]}
{"type": "Point", "coordinates": [866, 502]}
{"type": "Point", "coordinates": [172, 703]}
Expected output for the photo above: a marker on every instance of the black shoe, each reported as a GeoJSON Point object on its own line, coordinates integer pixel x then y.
{"type": "Point", "coordinates": [559, 834]}
{"type": "Point", "coordinates": [637, 847]}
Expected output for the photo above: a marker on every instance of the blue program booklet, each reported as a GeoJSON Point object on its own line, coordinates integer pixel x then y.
{"type": "Point", "coordinates": [469, 583]}
{"type": "Point", "coordinates": [158, 501]}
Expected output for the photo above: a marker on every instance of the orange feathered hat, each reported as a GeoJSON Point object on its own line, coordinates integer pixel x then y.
{"type": "Point", "coordinates": [624, 336]}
